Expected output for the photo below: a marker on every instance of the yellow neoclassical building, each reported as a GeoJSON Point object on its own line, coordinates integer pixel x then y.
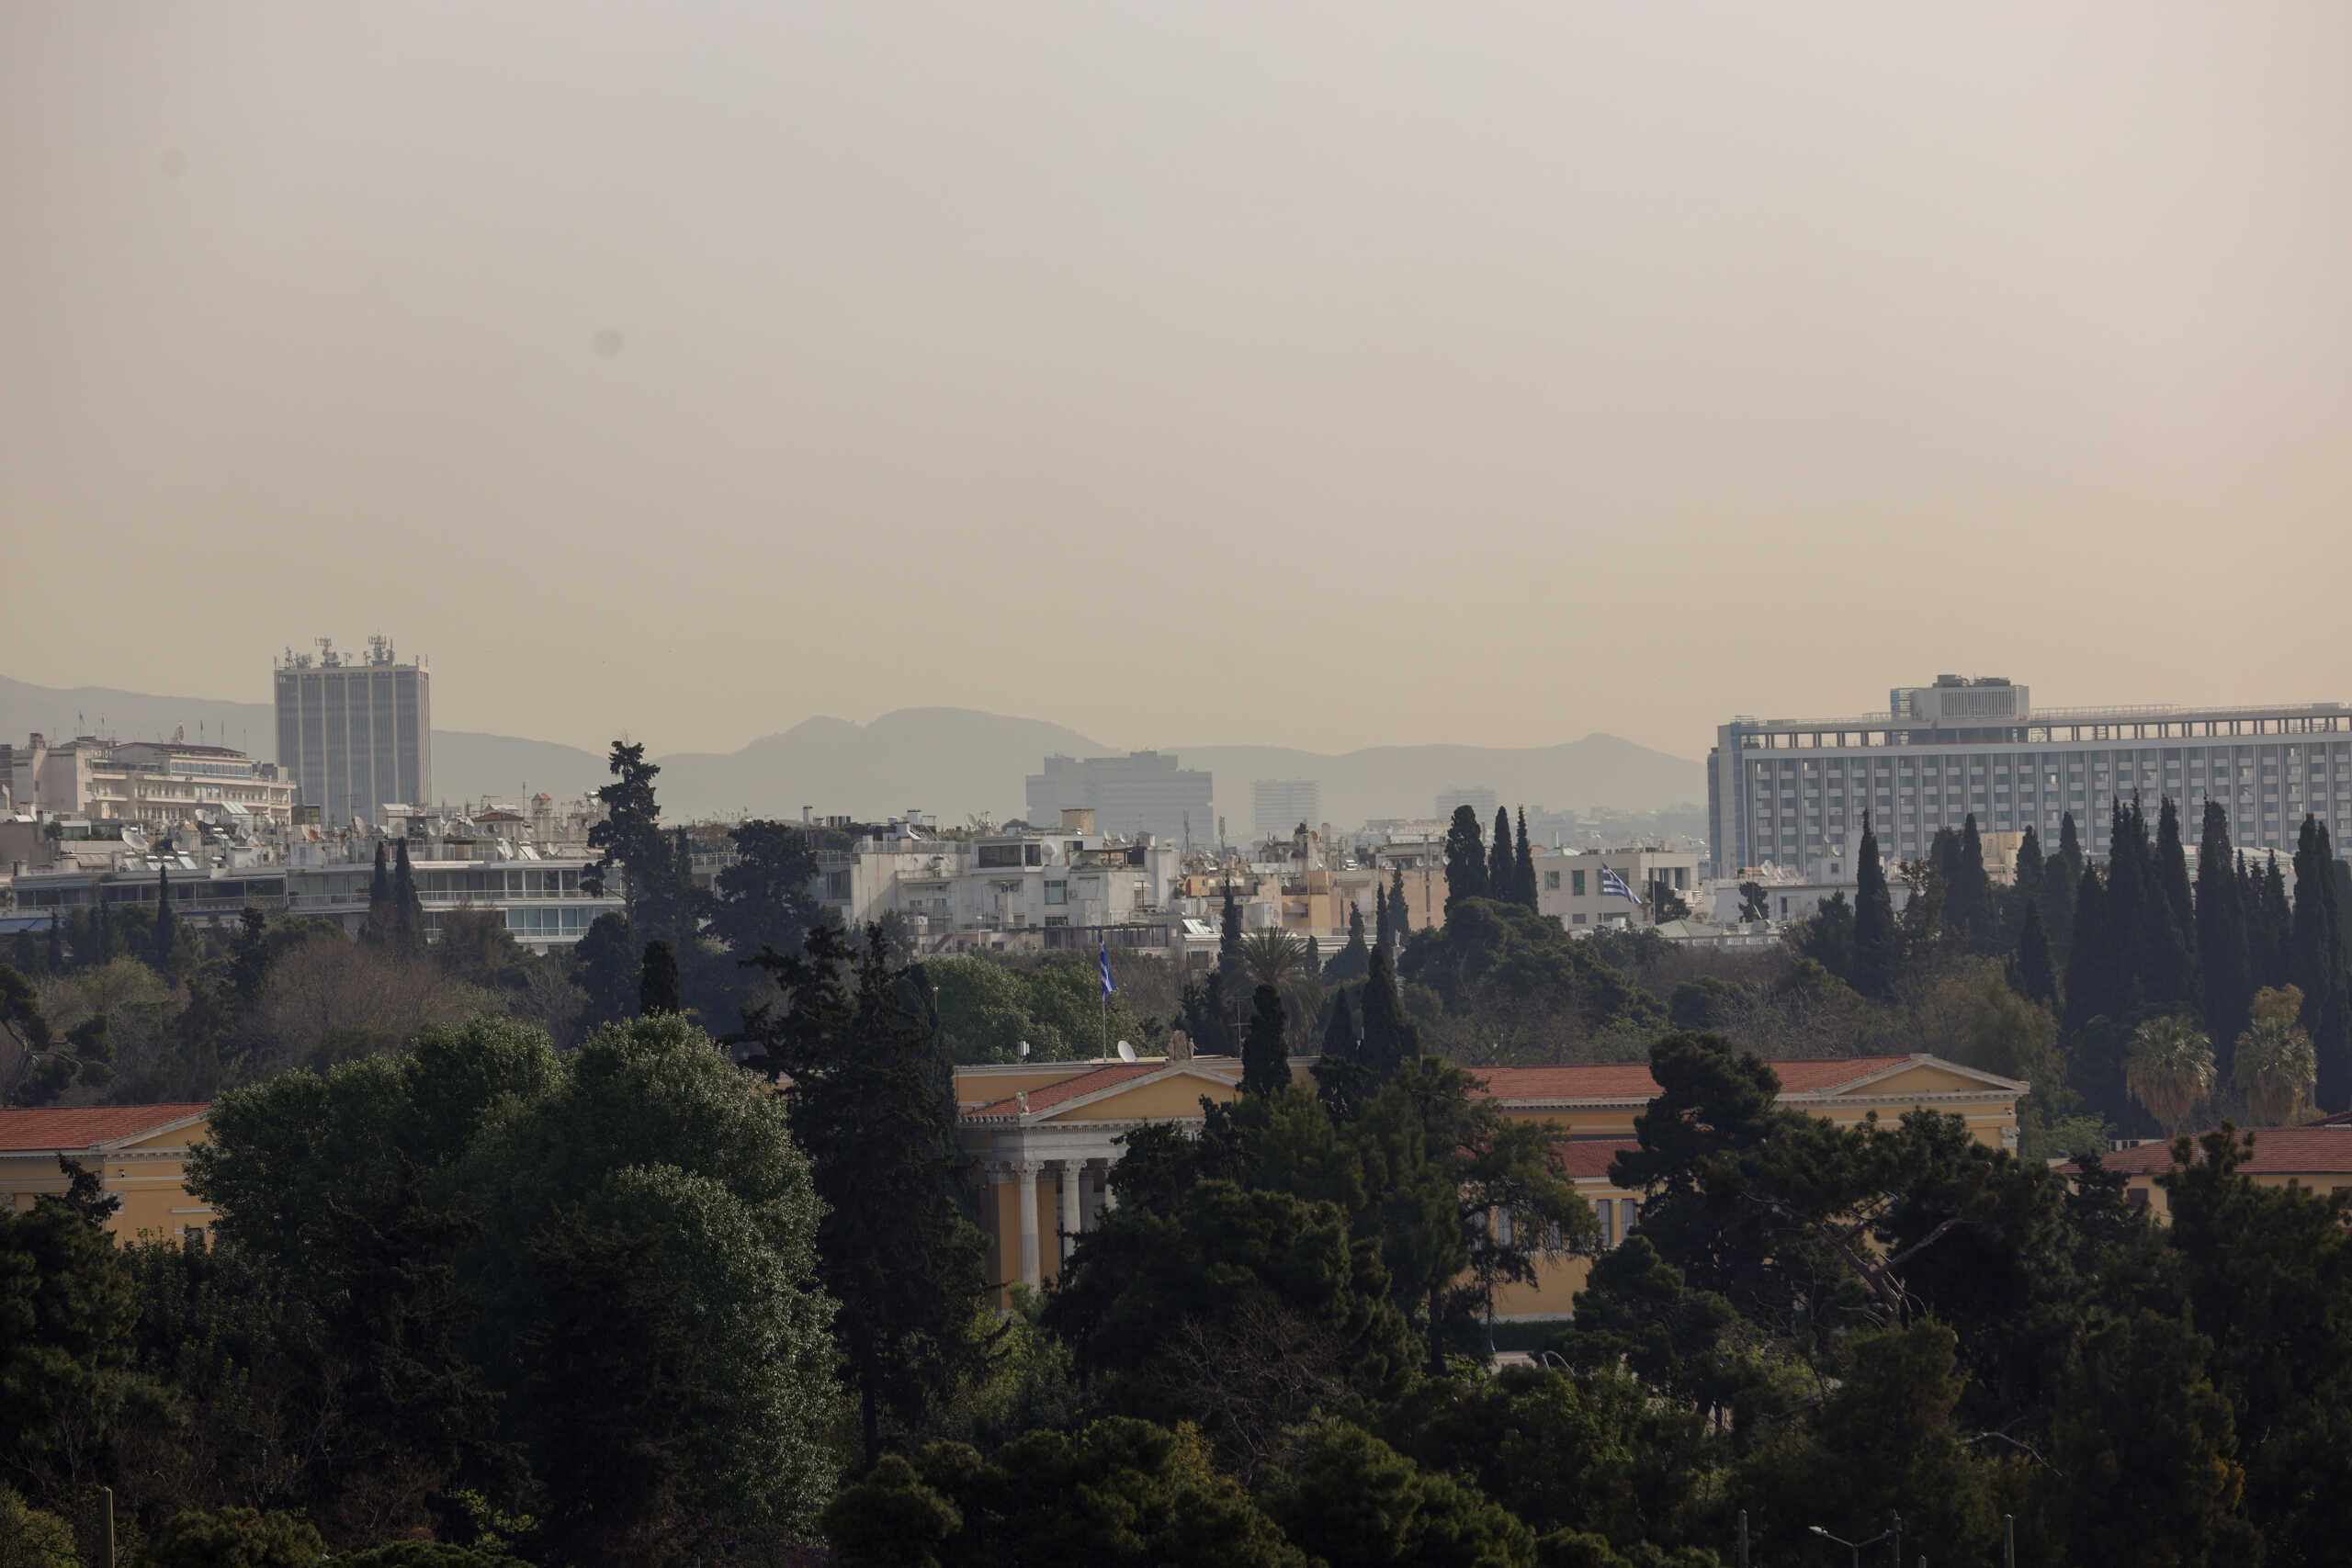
{"type": "Point", "coordinates": [139, 1153]}
{"type": "Point", "coordinates": [1043, 1137]}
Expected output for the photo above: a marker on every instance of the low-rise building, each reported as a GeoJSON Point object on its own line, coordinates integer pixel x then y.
{"type": "Point", "coordinates": [1571, 888]}
{"type": "Point", "coordinates": [138, 1151]}
{"type": "Point", "coordinates": [1044, 1136]}
{"type": "Point", "coordinates": [2316, 1156]}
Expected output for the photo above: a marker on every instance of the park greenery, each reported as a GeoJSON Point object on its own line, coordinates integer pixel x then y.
{"type": "Point", "coordinates": [663, 1252]}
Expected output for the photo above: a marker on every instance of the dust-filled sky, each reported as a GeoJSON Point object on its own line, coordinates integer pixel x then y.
{"type": "Point", "coordinates": [1324, 375]}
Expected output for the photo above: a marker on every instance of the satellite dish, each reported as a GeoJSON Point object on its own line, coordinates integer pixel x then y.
{"type": "Point", "coordinates": [1126, 1052]}
{"type": "Point", "coordinates": [1021, 1052]}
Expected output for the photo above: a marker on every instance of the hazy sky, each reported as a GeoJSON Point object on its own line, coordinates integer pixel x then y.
{"type": "Point", "coordinates": [1324, 375]}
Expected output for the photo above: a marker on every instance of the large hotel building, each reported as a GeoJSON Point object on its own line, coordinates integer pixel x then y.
{"type": "Point", "coordinates": [1792, 790]}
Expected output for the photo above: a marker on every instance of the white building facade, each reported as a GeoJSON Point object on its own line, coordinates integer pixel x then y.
{"type": "Point", "coordinates": [1569, 887]}
{"type": "Point", "coordinates": [1791, 791]}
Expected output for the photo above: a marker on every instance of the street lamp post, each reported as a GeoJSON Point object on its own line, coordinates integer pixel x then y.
{"type": "Point", "coordinates": [1893, 1532]}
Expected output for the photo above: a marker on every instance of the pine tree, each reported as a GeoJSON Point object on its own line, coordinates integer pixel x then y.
{"type": "Point", "coordinates": [2224, 959]}
{"type": "Point", "coordinates": [1523, 867]}
{"type": "Point", "coordinates": [1265, 1059]}
{"type": "Point", "coordinates": [1876, 951]}
{"type": "Point", "coordinates": [377, 929]}
{"type": "Point", "coordinates": [408, 909]}
{"type": "Point", "coordinates": [249, 961]}
{"type": "Point", "coordinates": [873, 1103]}
{"type": "Point", "coordinates": [604, 965]}
{"type": "Point", "coordinates": [2316, 954]}
{"type": "Point", "coordinates": [164, 943]}
{"type": "Point", "coordinates": [1400, 915]}
{"type": "Point", "coordinates": [2035, 977]}
{"type": "Point", "coordinates": [2090, 966]}
{"type": "Point", "coordinates": [1389, 1035]}
{"type": "Point", "coordinates": [1465, 858]}
{"type": "Point", "coordinates": [657, 983]}
{"type": "Point", "coordinates": [1502, 870]}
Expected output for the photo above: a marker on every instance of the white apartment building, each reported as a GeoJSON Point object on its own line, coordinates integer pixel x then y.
{"type": "Point", "coordinates": [158, 785]}
{"type": "Point", "coordinates": [1278, 805]}
{"type": "Point", "coordinates": [1789, 791]}
{"type": "Point", "coordinates": [1568, 884]}
{"type": "Point", "coordinates": [1040, 881]}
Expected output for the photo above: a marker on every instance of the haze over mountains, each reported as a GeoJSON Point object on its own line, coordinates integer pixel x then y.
{"type": "Point", "coordinates": [952, 762]}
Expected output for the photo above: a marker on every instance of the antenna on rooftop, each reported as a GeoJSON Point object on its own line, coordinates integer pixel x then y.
{"type": "Point", "coordinates": [1126, 1052]}
{"type": "Point", "coordinates": [1021, 1052]}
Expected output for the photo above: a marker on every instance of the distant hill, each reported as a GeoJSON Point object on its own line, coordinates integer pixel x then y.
{"type": "Point", "coordinates": [953, 762]}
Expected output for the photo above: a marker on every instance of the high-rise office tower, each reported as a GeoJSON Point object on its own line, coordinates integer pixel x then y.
{"type": "Point", "coordinates": [1278, 805]}
{"type": "Point", "coordinates": [355, 732]}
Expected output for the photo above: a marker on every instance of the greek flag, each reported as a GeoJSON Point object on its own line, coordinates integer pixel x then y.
{"type": "Point", "coordinates": [1613, 886]}
{"type": "Point", "coordinates": [1109, 985]}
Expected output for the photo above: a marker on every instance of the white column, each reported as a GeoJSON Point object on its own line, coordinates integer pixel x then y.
{"type": "Point", "coordinates": [1110, 1193]}
{"type": "Point", "coordinates": [1024, 1174]}
{"type": "Point", "coordinates": [1090, 1188]}
{"type": "Point", "coordinates": [1070, 1168]}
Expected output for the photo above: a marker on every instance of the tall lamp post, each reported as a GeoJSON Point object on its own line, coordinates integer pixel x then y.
{"type": "Point", "coordinates": [1893, 1532]}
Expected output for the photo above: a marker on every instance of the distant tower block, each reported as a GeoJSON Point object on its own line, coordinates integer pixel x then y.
{"type": "Point", "coordinates": [356, 733]}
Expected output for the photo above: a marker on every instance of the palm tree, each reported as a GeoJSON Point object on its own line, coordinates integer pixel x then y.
{"type": "Point", "coordinates": [1278, 959]}
{"type": "Point", "coordinates": [2275, 1070]}
{"type": "Point", "coordinates": [2170, 1069]}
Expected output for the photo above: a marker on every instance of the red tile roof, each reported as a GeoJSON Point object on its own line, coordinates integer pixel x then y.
{"type": "Point", "coordinates": [1632, 1081]}
{"type": "Point", "coordinates": [2313, 1150]}
{"type": "Point", "coordinates": [79, 1127]}
{"type": "Point", "coordinates": [1054, 1094]}
{"type": "Point", "coordinates": [1592, 1156]}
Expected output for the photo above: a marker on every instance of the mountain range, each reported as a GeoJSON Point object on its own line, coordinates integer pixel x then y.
{"type": "Point", "coordinates": [952, 762]}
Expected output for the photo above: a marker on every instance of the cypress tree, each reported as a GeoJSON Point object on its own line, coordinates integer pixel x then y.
{"type": "Point", "coordinates": [657, 982]}
{"type": "Point", "coordinates": [2317, 959]}
{"type": "Point", "coordinates": [2090, 966]}
{"type": "Point", "coordinates": [1380, 913]}
{"type": "Point", "coordinates": [102, 934]}
{"type": "Point", "coordinates": [377, 929]}
{"type": "Point", "coordinates": [2025, 887]}
{"type": "Point", "coordinates": [2273, 963]}
{"type": "Point", "coordinates": [1265, 1061]}
{"type": "Point", "coordinates": [2036, 978]}
{"type": "Point", "coordinates": [1356, 957]}
{"type": "Point", "coordinates": [408, 909]}
{"type": "Point", "coordinates": [1400, 917]}
{"type": "Point", "coordinates": [56, 945]}
{"type": "Point", "coordinates": [1339, 1030]}
{"type": "Point", "coordinates": [26, 956]}
{"type": "Point", "coordinates": [2061, 878]}
{"type": "Point", "coordinates": [1315, 956]}
{"type": "Point", "coordinates": [1524, 869]}
{"type": "Point", "coordinates": [1968, 899]}
{"type": "Point", "coordinates": [2168, 963]}
{"type": "Point", "coordinates": [1389, 1035]}
{"type": "Point", "coordinates": [2128, 893]}
{"type": "Point", "coordinates": [1229, 966]}
{"type": "Point", "coordinates": [1213, 1030]}
{"type": "Point", "coordinates": [1465, 858]}
{"type": "Point", "coordinates": [1876, 956]}
{"type": "Point", "coordinates": [166, 941]}
{"type": "Point", "coordinates": [1502, 870]}
{"type": "Point", "coordinates": [2224, 959]}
